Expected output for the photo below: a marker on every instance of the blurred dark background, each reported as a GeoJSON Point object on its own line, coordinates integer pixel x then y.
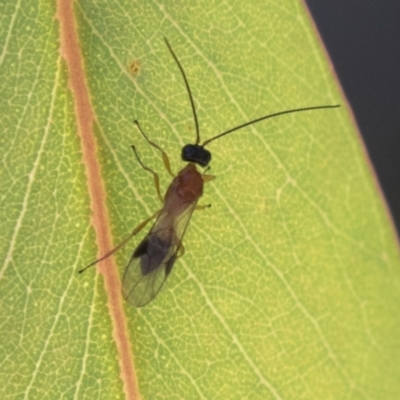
{"type": "Point", "coordinates": [363, 40]}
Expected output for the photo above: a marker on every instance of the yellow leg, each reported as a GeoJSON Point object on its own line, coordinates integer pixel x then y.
{"type": "Point", "coordinates": [164, 154]}
{"type": "Point", "coordinates": [123, 243]}
{"type": "Point", "coordinates": [202, 207]}
{"type": "Point", "coordinates": [208, 178]}
{"type": "Point", "coordinates": [155, 175]}
{"type": "Point", "coordinates": [181, 251]}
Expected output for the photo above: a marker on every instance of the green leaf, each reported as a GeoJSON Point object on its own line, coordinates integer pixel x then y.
{"type": "Point", "coordinates": [289, 287]}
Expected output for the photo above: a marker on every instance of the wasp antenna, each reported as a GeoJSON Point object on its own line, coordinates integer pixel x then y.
{"type": "Point", "coordinates": [196, 122]}
{"type": "Point", "coordinates": [88, 266]}
{"type": "Point", "coordinates": [254, 121]}
{"type": "Point", "coordinates": [123, 243]}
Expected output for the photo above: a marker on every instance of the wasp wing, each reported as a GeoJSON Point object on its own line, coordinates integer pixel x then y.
{"type": "Point", "coordinates": [153, 259]}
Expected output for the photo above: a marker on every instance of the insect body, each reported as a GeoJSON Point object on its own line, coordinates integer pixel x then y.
{"type": "Point", "coordinates": [153, 259]}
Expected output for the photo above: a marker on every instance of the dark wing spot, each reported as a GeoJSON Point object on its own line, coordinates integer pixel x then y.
{"type": "Point", "coordinates": [169, 264]}
{"type": "Point", "coordinates": [152, 252]}
{"type": "Point", "coordinates": [141, 249]}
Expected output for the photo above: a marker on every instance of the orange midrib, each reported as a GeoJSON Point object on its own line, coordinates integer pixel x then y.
{"type": "Point", "coordinates": [85, 117]}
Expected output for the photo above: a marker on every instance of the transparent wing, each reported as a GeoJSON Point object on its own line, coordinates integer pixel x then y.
{"type": "Point", "coordinates": [153, 259]}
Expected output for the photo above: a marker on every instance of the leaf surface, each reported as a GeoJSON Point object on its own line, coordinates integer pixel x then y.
{"type": "Point", "coordinates": [289, 287]}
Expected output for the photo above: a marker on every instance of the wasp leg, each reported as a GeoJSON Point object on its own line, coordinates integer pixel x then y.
{"type": "Point", "coordinates": [164, 154]}
{"type": "Point", "coordinates": [208, 178]}
{"type": "Point", "coordinates": [123, 243]}
{"type": "Point", "coordinates": [202, 206]}
{"type": "Point", "coordinates": [155, 175]}
{"type": "Point", "coordinates": [181, 251]}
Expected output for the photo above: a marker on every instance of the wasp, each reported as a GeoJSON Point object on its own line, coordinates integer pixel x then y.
{"type": "Point", "coordinates": [153, 259]}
